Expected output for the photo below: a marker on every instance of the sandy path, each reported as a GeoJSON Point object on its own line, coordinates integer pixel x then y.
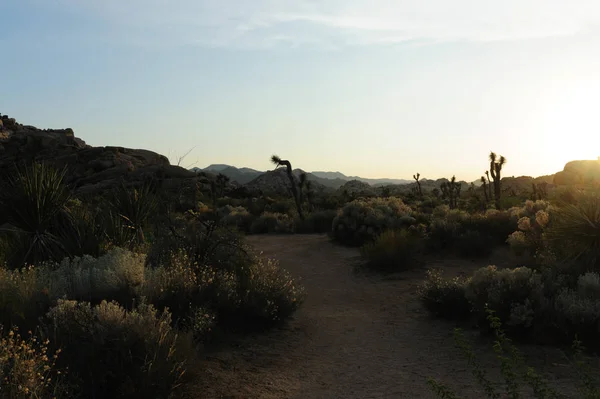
{"type": "Point", "coordinates": [356, 336]}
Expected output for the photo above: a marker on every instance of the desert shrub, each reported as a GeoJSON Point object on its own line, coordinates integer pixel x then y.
{"type": "Point", "coordinates": [362, 220]}
{"type": "Point", "coordinates": [175, 286]}
{"type": "Point", "coordinates": [238, 217]}
{"type": "Point", "coordinates": [22, 298]}
{"type": "Point", "coordinates": [249, 290]}
{"type": "Point", "coordinates": [442, 234]}
{"type": "Point", "coordinates": [497, 224]}
{"type": "Point", "coordinates": [285, 206]}
{"type": "Point", "coordinates": [4, 249]}
{"type": "Point", "coordinates": [469, 235]}
{"type": "Point", "coordinates": [269, 294]}
{"type": "Point", "coordinates": [113, 353]}
{"type": "Point", "coordinates": [392, 250]}
{"type": "Point", "coordinates": [202, 321]}
{"type": "Point", "coordinates": [516, 374]}
{"type": "Point", "coordinates": [474, 243]}
{"type": "Point", "coordinates": [532, 220]}
{"type": "Point", "coordinates": [514, 294]}
{"type": "Point", "coordinates": [117, 275]}
{"type": "Point", "coordinates": [272, 223]}
{"type": "Point", "coordinates": [577, 310]}
{"type": "Point", "coordinates": [28, 368]}
{"type": "Point", "coordinates": [429, 204]}
{"type": "Point", "coordinates": [316, 222]}
{"type": "Point", "coordinates": [445, 298]}
{"type": "Point", "coordinates": [441, 211]}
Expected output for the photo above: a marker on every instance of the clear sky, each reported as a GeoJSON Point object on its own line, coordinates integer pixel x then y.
{"type": "Point", "coordinates": [376, 88]}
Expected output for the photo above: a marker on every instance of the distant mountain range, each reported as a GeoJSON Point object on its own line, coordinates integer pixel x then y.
{"type": "Point", "coordinates": [328, 179]}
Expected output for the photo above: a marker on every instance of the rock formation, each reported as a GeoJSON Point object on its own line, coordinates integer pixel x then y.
{"type": "Point", "coordinates": [91, 170]}
{"type": "Point", "coordinates": [579, 172]}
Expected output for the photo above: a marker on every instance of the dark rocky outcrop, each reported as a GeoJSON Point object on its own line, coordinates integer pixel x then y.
{"type": "Point", "coordinates": [91, 170]}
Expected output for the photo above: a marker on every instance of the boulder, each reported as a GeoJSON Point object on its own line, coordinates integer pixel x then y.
{"type": "Point", "coordinates": [579, 172]}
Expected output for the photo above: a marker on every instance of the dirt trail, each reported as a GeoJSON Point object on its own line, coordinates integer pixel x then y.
{"type": "Point", "coordinates": [356, 336]}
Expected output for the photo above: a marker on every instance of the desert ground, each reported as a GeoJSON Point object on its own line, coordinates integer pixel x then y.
{"type": "Point", "coordinates": [358, 335]}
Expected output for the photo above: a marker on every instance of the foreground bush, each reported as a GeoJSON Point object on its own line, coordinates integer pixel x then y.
{"type": "Point", "coordinates": [445, 298]}
{"type": "Point", "coordinates": [362, 220]}
{"type": "Point", "coordinates": [248, 291]}
{"type": "Point", "coordinates": [543, 307]}
{"type": "Point", "coordinates": [392, 250]}
{"type": "Point", "coordinates": [22, 298]}
{"type": "Point", "coordinates": [519, 379]}
{"type": "Point", "coordinates": [577, 310]}
{"type": "Point", "coordinates": [114, 353]}
{"type": "Point", "coordinates": [28, 368]}
{"type": "Point", "coordinates": [516, 295]}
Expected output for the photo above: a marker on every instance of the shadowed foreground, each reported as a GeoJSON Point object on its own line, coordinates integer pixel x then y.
{"type": "Point", "coordinates": [356, 336]}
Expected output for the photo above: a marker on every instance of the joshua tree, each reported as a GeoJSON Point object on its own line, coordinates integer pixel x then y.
{"type": "Point", "coordinates": [419, 191]}
{"type": "Point", "coordinates": [221, 184]}
{"type": "Point", "coordinates": [279, 162]}
{"type": "Point", "coordinates": [495, 169]}
{"type": "Point", "coordinates": [489, 185]}
{"type": "Point", "coordinates": [451, 190]}
{"type": "Point", "coordinates": [302, 185]}
{"type": "Point", "coordinates": [485, 188]}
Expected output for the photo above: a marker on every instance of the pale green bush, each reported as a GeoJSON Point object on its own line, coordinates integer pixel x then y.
{"type": "Point", "coordinates": [269, 294]}
{"type": "Point", "coordinates": [119, 274]}
{"type": "Point", "coordinates": [514, 294]}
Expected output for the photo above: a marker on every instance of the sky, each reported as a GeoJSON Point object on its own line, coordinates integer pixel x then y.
{"type": "Point", "coordinates": [374, 88]}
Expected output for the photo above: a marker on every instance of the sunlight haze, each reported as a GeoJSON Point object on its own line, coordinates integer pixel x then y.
{"type": "Point", "coordinates": [369, 88]}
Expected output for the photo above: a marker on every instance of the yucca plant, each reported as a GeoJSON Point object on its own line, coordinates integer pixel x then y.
{"type": "Point", "coordinates": [34, 201]}
{"type": "Point", "coordinates": [575, 231]}
{"type": "Point", "coordinates": [134, 207]}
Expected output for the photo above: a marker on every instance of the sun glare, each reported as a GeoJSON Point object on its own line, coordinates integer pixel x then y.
{"type": "Point", "coordinates": [570, 126]}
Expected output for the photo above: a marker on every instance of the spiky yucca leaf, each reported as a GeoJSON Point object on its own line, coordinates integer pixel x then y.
{"type": "Point", "coordinates": [34, 200]}
{"type": "Point", "coordinates": [275, 159]}
{"type": "Point", "coordinates": [135, 206]}
{"type": "Point", "coordinates": [576, 229]}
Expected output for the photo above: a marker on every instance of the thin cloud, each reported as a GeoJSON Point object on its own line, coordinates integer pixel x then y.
{"type": "Point", "coordinates": [337, 23]}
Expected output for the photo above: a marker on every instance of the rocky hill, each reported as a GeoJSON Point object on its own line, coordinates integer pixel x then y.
{"type": "Point", "coordinates": [91, 170]}
{"type": "Point", "coordinates": [578, 173]}
{"type": "Point", "coordinates": [276, 182]}
{"type": "Point", "coordinates": [328, 179]}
